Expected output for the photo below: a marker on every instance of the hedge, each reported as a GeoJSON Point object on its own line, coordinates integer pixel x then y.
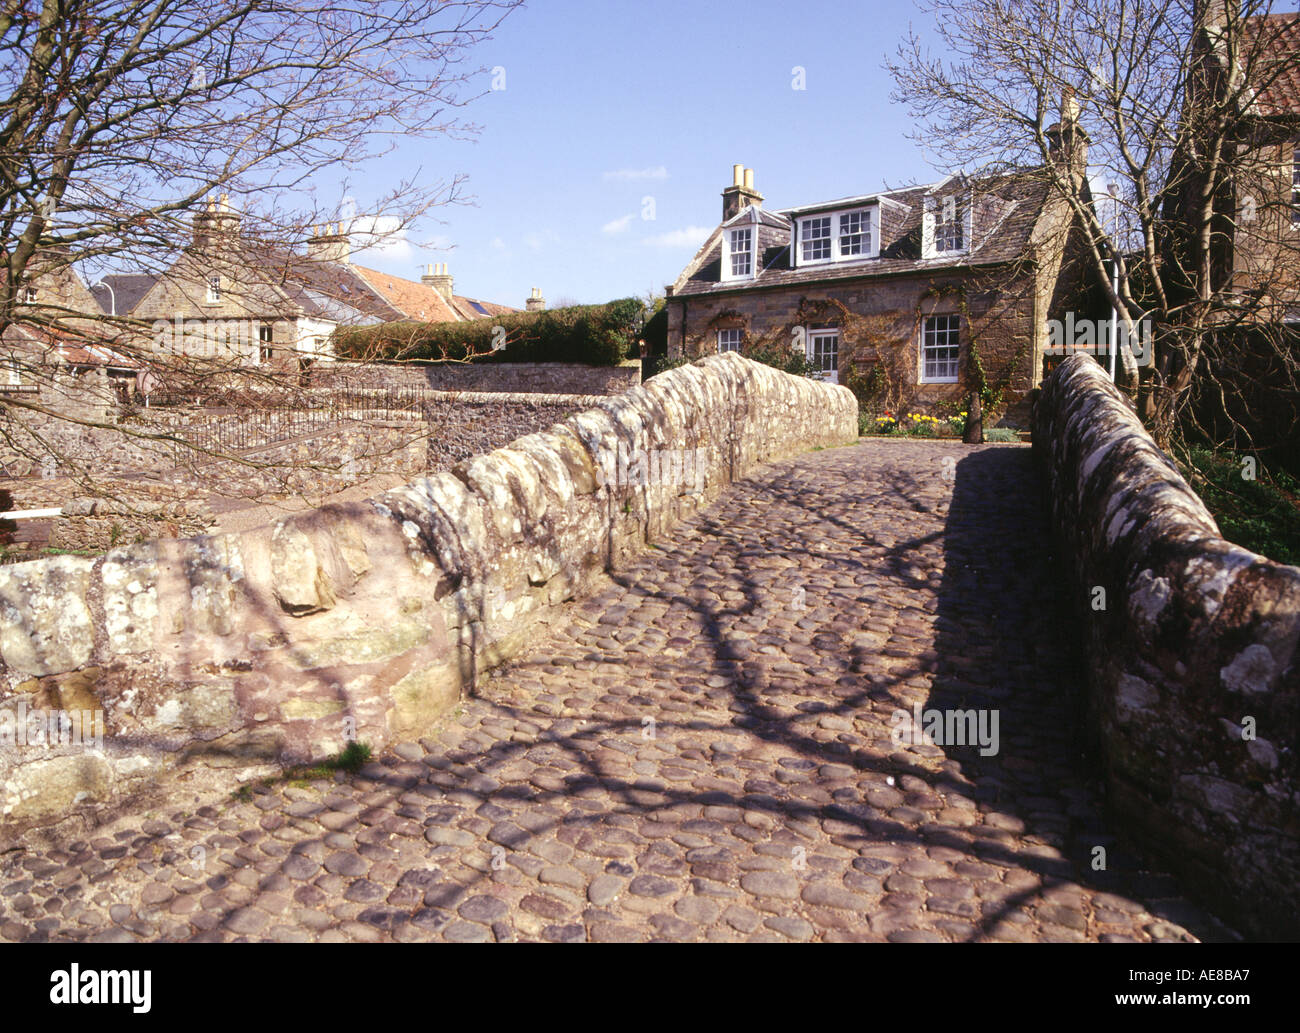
{"type": "Point", "coordinates": [595, 335]}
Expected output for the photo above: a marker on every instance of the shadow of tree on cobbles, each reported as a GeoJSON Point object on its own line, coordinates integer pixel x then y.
{"type": "Point", "coordinates": [770, 648]}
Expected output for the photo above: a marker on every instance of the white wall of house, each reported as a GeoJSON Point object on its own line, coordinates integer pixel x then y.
{"type": "Point", "coordinates": [315, 339]}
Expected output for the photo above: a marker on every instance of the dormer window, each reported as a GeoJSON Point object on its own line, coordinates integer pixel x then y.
{"type": "Point", "coordinates": [214, 289]}
{"type": "Point", "coordinates": [816, 239]}
{"type": "Point", "coordinates": [836, 237]}
{"type": "Point", "coordinates": [738, 259]}
{"type": "Point", "coordinates": [949, 232]}
{"type": "Point", "coordinates": [742, 257]}
{"type": "Point", "coordinates": [947, 225]}
{"type": "Point", "coordinates": [855, 234]}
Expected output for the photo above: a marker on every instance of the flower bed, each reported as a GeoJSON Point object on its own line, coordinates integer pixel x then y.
{"type": "Point", "coordinates": [916, 425]}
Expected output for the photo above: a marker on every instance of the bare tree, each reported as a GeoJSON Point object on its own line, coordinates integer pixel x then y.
{"type": "Point", "coordinates": [1175, 101]}
{"type": "Point", "coordinates": [120, 121]}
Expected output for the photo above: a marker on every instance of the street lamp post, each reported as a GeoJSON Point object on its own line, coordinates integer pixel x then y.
{"type": "Point", "coordinates": [112, 296]}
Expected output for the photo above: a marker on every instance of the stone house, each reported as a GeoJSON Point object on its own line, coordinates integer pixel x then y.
{"type": "Point", "coordinates": [1259, 218]}
{"type": "Point", "coordinates": [1249, 290]}
{"type": "Point", "coordinates": [912, 297]}
{"type": "Point", "coordinates": [231, 297]}
{"type": "Point", "coordinates": [55, 355]}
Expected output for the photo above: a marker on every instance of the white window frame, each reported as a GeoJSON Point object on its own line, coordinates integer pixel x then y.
{"type": "Point", "coordinates": [739, 338]}
{"type": "Point", "coordinates": [838, 219]}
{"type": "Point", "coordinates": [806, 238]}
{"type": "Point", "coordinates": [924, 344]}
{"type": "Point", "coordinates": [729, 252]}
{"type": "Point", "coordinates": [14, 373]}
{"type": "Point", "coordinates": [961, 203]}
{"type": "Point", "coordinates": [829, 376]}
{"type": "Point", "coordinates": [213, 282]}
{"type": "Point", "coordinates": [265, 342]}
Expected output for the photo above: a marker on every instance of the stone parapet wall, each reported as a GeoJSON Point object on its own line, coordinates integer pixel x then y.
{"type": "Point", "coordinates": [1194, 687]}
{"type": "Point", "coordinates": [560, 378]}
{"type": "Point", "coordinates": [219, 658]}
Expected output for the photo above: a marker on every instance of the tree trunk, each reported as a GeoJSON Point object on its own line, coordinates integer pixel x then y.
{"type": "Point", "coordinates": [974, 434]}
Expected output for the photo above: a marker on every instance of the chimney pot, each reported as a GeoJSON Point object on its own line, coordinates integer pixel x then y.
{"type": "Point", "coordinates": [741, 194]}
{"type": "Point", "coordinates": [439, 279]}
{"type": "Point", "coordinates": [329, 244]}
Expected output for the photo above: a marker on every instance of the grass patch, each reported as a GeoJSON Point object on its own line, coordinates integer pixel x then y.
{"type": "Point", "coordinates": [352, 758]}
{"type": "Point", "coordinates": [1262, 515]}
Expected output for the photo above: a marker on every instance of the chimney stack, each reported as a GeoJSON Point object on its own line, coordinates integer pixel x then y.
{"type": "Point", "coordinates": [535, 302]}
{"type": "Point", "coordinates": [741, 193]}
{"type": "Point", "coordinates": [330, 244]}
{"type": "Point", "coordinates": [437, 277]}
{"type": "Point", "coordinates": [1067, 139]}
{"type": "Point", "coordinates": [215, 220]}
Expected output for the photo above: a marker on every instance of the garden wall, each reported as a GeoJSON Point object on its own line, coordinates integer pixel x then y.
{"type": "Point", "coordinates": [558, 378]}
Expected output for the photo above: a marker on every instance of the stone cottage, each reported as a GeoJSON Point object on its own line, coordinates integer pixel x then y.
{"type": "Point", "coordinates": [54, 353]}
{"type": "Point", "coordinates": [235, 298]}
{"type": "Point", "coordinates": [911, 297]}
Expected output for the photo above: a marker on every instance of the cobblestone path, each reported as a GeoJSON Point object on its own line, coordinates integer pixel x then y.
{"type": "Point", "coordinates": [703, 753]}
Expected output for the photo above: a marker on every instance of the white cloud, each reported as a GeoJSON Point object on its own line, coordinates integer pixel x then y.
{"type": "Point", "coordinates": [381, 236]}
{"type": "Point", "coordinates": [691, 236]}
{"type": "Point", "coordinates": [536, 241]}
{"type": "Point", "coordinates": [618, 225]}
{"type": "Point", "coordinates": [655, 172]}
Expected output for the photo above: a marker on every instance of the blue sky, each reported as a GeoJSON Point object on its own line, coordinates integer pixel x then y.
{"type": "Point", "coordinates": [608, 103]}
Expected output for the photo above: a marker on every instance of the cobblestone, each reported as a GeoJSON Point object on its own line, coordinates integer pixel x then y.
{"type": "Point", "coordinates": [702, 752]}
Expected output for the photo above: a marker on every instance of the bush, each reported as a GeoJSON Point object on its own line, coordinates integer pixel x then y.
{"type": "Point", "coordinates": [784, 358]}
{"type": "Point", "coordinates": [595, 335]}
{"type": "Point", "coordinates": [653, 365]}
{"type": "Point", "coordinates": [1001, 434]}
{"type": "Point", "coordinates": [1260, 515]}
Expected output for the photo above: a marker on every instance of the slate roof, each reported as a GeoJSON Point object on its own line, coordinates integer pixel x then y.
{"type": "Point", "coordinates": [126, 289]}
{"type": "Point", "coordinates": [1006, 210]}
{"type": "Point", "coordinates": [1278, 35]}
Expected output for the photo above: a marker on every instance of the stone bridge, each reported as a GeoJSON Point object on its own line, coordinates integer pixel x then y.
{"type": "Point", "coordinates": [715, 739]}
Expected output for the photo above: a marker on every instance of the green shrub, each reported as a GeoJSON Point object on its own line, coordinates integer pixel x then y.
{"type": "Point", "coordinates": [653, 365]}
{"type": "Point", "coordinates": [1002, 434]}
{"type": "Point", "coordinates": [785, 358]}
{"type": "Point", "coordinates": [596, 335]}
{"type": "Point", "coordinates": [1260, 515]}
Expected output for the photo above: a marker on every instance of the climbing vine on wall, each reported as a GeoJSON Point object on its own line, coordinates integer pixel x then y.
{"type": "Point", "coordinates": [992, 393]}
